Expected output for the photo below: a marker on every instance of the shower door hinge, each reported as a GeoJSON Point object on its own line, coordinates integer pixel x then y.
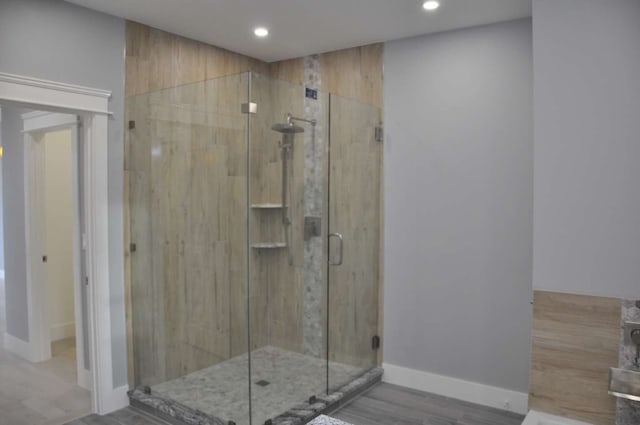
{"type": "Point", "coordinates": [249, 108]}
{"type": "Point", "coordinates": [132, 125]}
{"type": "Point", "coordinates": [375, 342]}
{"type": "Point", "coordinates": [379, 136]}
{"type": "Point", "coordinates": [133, 247]}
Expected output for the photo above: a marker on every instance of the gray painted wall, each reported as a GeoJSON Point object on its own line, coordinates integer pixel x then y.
{"type": "Point", "coordinates": [58, 41]}
{"type": "Point", "coordinates": [14, 223]}
{"type": "Point", "coordinates": [587, 146]}
{"type": "Point", "coordinates": [458, 204]}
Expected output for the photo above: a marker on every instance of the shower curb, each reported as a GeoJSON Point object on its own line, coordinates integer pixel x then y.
{"type": "Point", "coordinates": [331, 402]}
{"type": "Point", "coordinates": [169, 410]}
{"type": "Point", "coordinates": [178, 414]}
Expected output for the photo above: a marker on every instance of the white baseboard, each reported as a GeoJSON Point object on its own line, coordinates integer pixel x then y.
{"type": "Point", "coordinates": [18, 347]}
{"type": "Point", "coordinates": [118, 399]}
{"type": "Point", "coordinates": [84, 379]}
{"type": "Point", "coordinates": [471, 392]}
{"type": "Point", "coordinates": [537, 418]}
{"type": "Point", "coordinates": [62, 331]}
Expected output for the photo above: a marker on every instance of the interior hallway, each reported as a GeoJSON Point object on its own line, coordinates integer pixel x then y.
{"type": "Point", "coordinates": [40, 393]}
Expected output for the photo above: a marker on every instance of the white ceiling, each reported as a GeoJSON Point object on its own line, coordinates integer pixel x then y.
{"type": "Point", "coordinates": [303, 27]}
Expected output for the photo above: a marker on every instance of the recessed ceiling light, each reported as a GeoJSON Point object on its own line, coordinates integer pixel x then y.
{"type": "Point", "coordinates": [431, 5]}
{"type": "Point", "coordinates": [261, 32]}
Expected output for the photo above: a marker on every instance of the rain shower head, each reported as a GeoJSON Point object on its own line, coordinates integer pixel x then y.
{"type": "Point", "coordinates": [286, 128]}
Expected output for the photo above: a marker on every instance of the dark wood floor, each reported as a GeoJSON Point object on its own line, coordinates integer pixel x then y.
{"type": "Point", "coordinates": [384, 404]}
{"type": "Point", "coordinates": [388, 404]}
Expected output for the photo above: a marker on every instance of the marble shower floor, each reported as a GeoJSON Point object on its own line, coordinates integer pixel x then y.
{"type": "Point", "coordinates": [222, 390]}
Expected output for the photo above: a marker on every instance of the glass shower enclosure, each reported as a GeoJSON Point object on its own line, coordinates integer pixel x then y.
{"type": "Point", "coordinates": [255, 232]}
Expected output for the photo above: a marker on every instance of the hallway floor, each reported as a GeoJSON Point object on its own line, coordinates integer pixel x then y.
{"type": "Point", "coordinates": [41, 393]}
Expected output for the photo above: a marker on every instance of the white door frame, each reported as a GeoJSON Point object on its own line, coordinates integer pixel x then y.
{"type": "Point", "coordinates": [36, 124]}
{"type": "Point", "coordinates": [92, 106]}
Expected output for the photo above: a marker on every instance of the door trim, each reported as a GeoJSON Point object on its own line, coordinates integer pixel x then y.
{"type": "Point", "coordinates": [34, 123]}
{"type": "Point", "coordinates": [92, 106]}
{"type": "Point", "coordinates": [35, 241]}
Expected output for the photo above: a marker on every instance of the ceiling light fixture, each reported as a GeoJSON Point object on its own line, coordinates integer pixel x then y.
{"type": "Point", "coordinates": [261, 32]}
{"type": "Point", "coordinates": [431, 5]}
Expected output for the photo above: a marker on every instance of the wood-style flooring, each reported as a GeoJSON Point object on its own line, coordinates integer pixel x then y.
{"type": "Point", "coordinates": [384, 404]}
{"type": "Point", "coordinates": [388, 404]}
{"type": "Point", "coordinates": [41, 393]}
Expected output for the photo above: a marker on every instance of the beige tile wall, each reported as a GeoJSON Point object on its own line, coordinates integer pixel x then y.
{"type": "Point", "coordinates": [575, 341]}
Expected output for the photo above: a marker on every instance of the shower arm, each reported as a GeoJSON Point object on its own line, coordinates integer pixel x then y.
{"type": "Point", "coordinates": [292, 118]}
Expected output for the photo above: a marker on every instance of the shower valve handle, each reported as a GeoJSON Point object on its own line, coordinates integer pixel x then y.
{"type": "Point", "coordinates": [341, 258]}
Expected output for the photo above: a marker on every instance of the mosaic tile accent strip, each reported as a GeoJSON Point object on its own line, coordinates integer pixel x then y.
{"type": "Point", "coordinates": [627, 411]}
{"type": "Point", "coordinates": [313, 332]}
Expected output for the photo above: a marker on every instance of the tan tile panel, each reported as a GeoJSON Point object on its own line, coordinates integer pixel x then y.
{"type": "Point", "coordinates": [355, 73]}
{"type": "Point", "coordinates": [159, 60]}
{"type": "Point", "coordinates": [291, 70]}
{"type": "Point", "coordinates": [575, 341]}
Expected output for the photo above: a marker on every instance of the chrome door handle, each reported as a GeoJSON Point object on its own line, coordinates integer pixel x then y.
{"type": "Point", "coordinates": [341, 258]}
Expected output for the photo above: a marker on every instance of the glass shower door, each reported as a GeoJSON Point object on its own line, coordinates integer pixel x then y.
{"type": "Point", "coordinates": [187, 169]}
{"type": "Point", "coordinates": [354, 239]}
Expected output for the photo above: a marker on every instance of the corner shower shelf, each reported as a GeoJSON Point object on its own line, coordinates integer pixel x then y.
{"type": "Point", "coordinates": [266, 206]}
{"type": "Point", "coordinates": [269, 245]}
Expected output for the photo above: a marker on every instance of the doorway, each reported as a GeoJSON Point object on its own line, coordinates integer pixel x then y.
{"type": "Point", "coordinates": [44, 377]}
{"type": "Point", "coordinates": [55, 247]}
{"type": "Point", "coordinates": [91, 105]}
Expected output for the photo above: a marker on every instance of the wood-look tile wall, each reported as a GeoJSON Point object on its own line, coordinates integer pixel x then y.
{"type": "Point", "coordinates": [189, 263]}
{"type": "Point", "coordinates": [158, 60]}
{"type": "Point", "coordinates": [352, 73]}
{"type": "Point", "coordinates": [276, 287]}
{"type": "Point", "coordinates": [354, 199]}
{"type": "Point", "coordinates": [575, 340]}
{"type": "Point", "coordinates": [186, 211]}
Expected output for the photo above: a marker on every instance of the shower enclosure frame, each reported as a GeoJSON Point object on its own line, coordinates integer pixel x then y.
{"type": "Point", "coordinates": [250, 107]}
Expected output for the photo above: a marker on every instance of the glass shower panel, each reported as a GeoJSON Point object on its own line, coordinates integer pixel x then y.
{"type": "Point", "coordinates": [188, 224]}
{"type": "Point", "coordinates": [354, 234]}
{"type": "Point", "coordinates": [288, 314]}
